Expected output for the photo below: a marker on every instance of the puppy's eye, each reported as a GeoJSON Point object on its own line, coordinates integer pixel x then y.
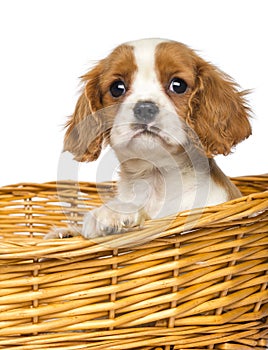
{"type": "Point", "coordinates": [118, 88]}
{"type": "Point", "coordinates": [178, 86]}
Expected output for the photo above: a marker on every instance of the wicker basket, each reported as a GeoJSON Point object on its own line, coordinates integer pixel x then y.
{"type": "Point", "coordinates": [201, 283]}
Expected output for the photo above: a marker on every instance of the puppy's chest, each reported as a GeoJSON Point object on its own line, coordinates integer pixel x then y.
{"type": "Point", "coordinates": [165, 193]}
{"type": "Point", "coordinates": [172, 193]}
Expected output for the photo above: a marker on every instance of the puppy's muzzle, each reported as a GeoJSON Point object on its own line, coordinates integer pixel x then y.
{"type": "Point", "coordinates": [145, 111]}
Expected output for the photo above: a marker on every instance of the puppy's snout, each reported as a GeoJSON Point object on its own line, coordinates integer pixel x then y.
{"type": "Point", "coordinates": [145, 111]}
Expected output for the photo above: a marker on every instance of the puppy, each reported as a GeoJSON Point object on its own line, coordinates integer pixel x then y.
{"type": "Point", "coordinates": [166, 113]}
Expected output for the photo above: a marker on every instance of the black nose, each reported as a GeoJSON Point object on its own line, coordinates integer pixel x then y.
{"type": "Point", "coordinates": [145, 111]}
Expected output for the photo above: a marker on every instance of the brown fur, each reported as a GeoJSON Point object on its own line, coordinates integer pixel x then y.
{"type": "Point", "coordinates": [213, 107]}
{"type": "Point", "coordinates": [89, 126]}
{"type": "Point", "coordinates": [85, 129]}
{"type": "Point", "coordinates": [218, 111]}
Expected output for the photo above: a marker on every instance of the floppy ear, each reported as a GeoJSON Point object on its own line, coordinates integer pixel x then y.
{"type": "Point", "coordinates": [85, 129]}
{"type": "Point", "coordinates": [218, 112]}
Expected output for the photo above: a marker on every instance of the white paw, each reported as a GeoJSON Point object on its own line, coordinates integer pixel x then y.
{"type": "Point", "coordinates": [113, 217]}
{"type": "Point", "coordinates": [61, 232]}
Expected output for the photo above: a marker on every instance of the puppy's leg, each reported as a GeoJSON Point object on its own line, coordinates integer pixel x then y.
{"type": "Point", "coordinates": [113, 217]}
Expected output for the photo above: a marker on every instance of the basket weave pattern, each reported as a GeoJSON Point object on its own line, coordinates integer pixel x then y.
{"type": "Point", "coordinates": [201, 283]}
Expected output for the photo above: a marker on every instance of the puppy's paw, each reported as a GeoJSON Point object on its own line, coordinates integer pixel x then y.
{"type": "Point", "coordinates": [62, 232]}
{"type": "Point", "coordinates": [113, 217]}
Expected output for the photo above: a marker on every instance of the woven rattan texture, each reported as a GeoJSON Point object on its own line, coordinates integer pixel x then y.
{"type": "Point", "coordinates": [200, 283]}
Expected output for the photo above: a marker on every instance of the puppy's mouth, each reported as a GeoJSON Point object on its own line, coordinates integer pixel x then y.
{"type": "Point", "coordinates": [144, 129]}
{"type": "Point", "coordinates": [153, 134]}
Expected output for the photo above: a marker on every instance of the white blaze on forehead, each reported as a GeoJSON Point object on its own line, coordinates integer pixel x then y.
{"type": "Point", "coordinates": [145, 81]}
{"type": "Point", "coordinates": [144, 51]}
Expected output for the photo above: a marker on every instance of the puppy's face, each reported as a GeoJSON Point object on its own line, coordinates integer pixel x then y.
{"type": "Point", "coordinates": [151, 95]}
{"type": "Point", "coordinates": [151, 103]}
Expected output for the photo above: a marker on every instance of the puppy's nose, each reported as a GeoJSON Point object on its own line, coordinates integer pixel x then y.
{"type": "Point", "coordinates": [145, 111]}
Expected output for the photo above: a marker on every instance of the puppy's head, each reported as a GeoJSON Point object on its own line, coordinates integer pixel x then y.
{"type": "Point", "coordinates": [151, 94]}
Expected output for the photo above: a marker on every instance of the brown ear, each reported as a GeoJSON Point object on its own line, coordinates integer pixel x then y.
{"type": "Point", "coordinates": [85, 129]}
{"type": "Point", "coordinates": [218, 112]}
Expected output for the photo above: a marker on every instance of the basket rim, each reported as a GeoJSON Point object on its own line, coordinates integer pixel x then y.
{"type": "Point", "coordinates": [182, 224]}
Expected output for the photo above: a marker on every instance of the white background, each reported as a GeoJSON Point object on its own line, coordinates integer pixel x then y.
{"type": "Point", "coordinates": [45, 45]}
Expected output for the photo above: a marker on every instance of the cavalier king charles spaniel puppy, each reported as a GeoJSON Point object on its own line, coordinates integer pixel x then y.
{"type": "Point", "coordinates": [166, 113]}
